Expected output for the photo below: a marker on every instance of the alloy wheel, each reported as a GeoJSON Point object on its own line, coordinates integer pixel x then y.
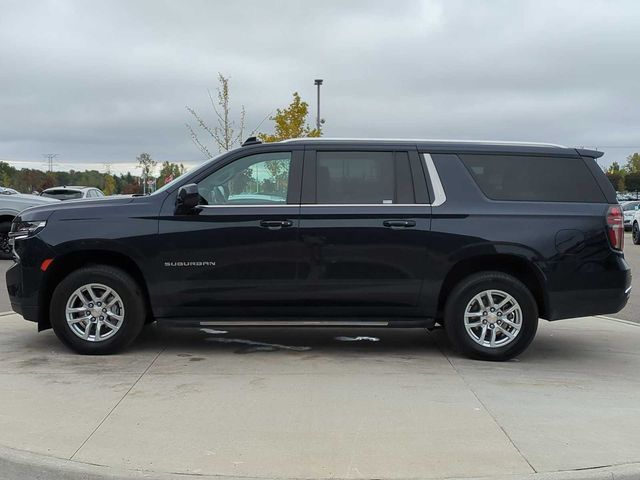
{"type": "Point", "coordinates": [493, 318]}
{"type": "Point", "coordinates": [94, 312]}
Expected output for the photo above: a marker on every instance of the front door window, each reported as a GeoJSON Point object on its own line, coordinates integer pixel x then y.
{"type": "Point", "coordinates": [261, 179]}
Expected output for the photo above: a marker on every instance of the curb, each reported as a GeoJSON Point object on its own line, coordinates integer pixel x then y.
{"type": "Point", "coordinates": [23, 465]}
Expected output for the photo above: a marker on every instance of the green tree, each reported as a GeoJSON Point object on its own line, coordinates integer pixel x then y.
{"type": "Point", "coordinates": [614, 168]}
{"type": "Point", "coordinates": [291, 122]}
{"type": "Point", "coordinates": [633, 163]}
{"type": "Point", "coordinates": [109, 185]}
{"type": "Point", "coordinates": [632, 182]}
{"type": "Point", "coordinates": [168, 172]}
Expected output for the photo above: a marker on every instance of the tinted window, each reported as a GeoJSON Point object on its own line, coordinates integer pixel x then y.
{"type": "Point", "coordinates": [62, 194]}
{"type": "Point", "coordinates": [524, 178]}
{"type": "Point", "coordinates": [261, 179]}
{"type": "Point", "coordinates": [355, 177]}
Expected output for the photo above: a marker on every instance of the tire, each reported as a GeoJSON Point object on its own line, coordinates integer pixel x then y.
{"type": "Point", "coordinates": [635, 233]}
{"type": "Point", "coordinates": [513, 331]}
{"type": "Point", "coordinates": [108, 333]}
{"type": "Point", "coordinates": [6, 252]}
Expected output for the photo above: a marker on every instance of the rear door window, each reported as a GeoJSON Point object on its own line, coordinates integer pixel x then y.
{"type": "Point", "coordinates": [536, 179]}
{"type": "Point", "coordinates": [347, 177]}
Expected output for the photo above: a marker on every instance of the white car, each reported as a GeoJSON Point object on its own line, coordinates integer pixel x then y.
{"type": "Point", "coordinates": [72, 192]}
{"type": "Point", "coordinates": [629, 209]}
{"type": "Point", "coordinates": [635, 226]}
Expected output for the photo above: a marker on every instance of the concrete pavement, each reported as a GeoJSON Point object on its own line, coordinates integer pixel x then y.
{"type": "Point", "coordinates": [276, 403]}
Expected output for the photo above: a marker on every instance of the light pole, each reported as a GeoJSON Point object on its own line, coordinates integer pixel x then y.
{"type": "Point", "coordinates": [318, 82]}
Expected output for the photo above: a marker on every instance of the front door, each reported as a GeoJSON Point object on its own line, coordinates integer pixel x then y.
{"type": "Point", "coordinates": [363, 227]}
{"type": "Point", "coordinates": [239, 247]}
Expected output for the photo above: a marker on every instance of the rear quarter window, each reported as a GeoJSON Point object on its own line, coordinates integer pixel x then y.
{"type": "Point", "coordinates": [534, 179]}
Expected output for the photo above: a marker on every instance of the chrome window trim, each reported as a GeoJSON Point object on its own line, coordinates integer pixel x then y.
{"type": "Point", "coordinates": [321, 205]}
{"type": "Point", "coordinates": [439, 197]}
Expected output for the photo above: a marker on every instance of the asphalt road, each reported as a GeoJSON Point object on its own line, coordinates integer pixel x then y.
{"type": "Point", "coordinates": [631, 312]}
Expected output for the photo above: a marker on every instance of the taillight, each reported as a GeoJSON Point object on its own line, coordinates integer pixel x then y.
{"type": "Point", "coordinates": [615, 226]}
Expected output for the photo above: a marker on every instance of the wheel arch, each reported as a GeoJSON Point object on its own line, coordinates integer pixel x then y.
{"type": "Point", "coordinates": [517, 266]}
{"type": "Point", "coordinates": [67, 263]}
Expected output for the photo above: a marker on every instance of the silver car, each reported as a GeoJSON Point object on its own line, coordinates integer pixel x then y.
{"type": "Point", "coordinates": [11, 204]}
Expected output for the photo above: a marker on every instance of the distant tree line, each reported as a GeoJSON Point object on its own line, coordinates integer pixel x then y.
{"type": "Point", "coordinates": [627, 178]}
{"type": "Point", "coordinates": [28, 180]}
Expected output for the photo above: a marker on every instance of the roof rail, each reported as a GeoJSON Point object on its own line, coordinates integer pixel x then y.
{"type": "Point", "coordinates": [418, 140]}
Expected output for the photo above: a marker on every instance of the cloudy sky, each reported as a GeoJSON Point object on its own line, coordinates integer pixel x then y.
{"type": "Point", "coordinates": [101, 81]}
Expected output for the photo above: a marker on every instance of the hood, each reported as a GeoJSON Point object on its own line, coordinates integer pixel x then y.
{"type": "Point", "coordinates": [84, 207]}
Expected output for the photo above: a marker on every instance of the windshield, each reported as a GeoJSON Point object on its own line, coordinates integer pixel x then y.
{"type": "Point", "coordinates": [177, 180]}
{"type": "Point", "coordinates": [630, 206]}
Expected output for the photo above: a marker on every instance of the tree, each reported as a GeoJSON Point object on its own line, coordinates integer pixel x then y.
{"type": "Point", "coordinates": [169, 171]}
{"type": "Point", "coordinates": [224, 134]}
{"type": "Point", "coordinates": [291, 122]}
{"type": "Point", "coordinates": [109, 185]}
{"type": "Point", "coordinates": [148, 166]}
{"type": "Point", "coordinates": [614, 168]}
{"type": "Point", "coordinates": [633, 163]}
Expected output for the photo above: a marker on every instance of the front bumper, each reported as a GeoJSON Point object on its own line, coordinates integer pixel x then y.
{"type": "Point", "coordinates": [21, 302]}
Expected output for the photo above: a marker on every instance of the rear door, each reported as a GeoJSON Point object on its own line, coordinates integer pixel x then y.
{"type": "Point", "coordinates": [364, 217]}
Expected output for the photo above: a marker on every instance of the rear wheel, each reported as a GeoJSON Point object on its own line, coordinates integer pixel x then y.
{"type": "Point", "coordinates": [635, 233]}
{"type": "Point", "coordinates": [6, 252]}
{"type": "Point", "coordinates": [97, 310]}
{"type": "Point", "coordinates": [491, 316]}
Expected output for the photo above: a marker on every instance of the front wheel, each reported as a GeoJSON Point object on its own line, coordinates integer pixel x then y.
{"type": "Point", "coordinates": [491, 316]}
{"type": "Point", "coordinates": [635, 233]}
{"type": "Point", "coordinates": [97, 310]}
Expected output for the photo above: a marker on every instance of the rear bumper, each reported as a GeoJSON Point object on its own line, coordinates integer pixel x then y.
{"type": "Point", "coordinates": [594, 293]}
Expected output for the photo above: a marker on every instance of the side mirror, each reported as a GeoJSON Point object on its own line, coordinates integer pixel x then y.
{"type": "Point", "coordinates": [188, 198]}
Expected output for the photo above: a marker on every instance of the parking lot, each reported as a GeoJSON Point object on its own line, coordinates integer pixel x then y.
{"type": "Point", "coordinates": [305, 403]}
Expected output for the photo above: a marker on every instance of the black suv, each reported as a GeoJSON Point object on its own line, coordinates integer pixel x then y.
{"type": "Point", "coordinates": [481, 237]}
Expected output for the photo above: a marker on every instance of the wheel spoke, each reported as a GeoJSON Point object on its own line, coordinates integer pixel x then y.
{"type": "Point", "coordinates": [509, 322]}
{"type": "Point", "coordinates": [76, 309]}
{"type": "Point", "coordinates": [97, 334]}
{"type": "Point", "coordinates": [92, 294]}
{"type": "Point", "coordinates": [492, 342]}
{"type": "Point", "coordinates": [114, 315]}
{"type": "Point", "coordinates": [506, 332]}
{"type": "Point", "coordinates": [79, 319]}
{"type": "Point", "coordinates": [106, 294]}
{"type": "Point", "coordinates": [108, 323]}
{"type": "Point", "coordinates": [483, 334]}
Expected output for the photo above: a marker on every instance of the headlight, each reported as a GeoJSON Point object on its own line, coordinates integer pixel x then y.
{"type": "Point", "coordinates": [20, 230]}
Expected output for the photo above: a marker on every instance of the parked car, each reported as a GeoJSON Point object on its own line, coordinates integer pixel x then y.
{"type": "Point", "coordinates": [72, 192]}
{"type": "Point", "coordinates": [11, 204]}
{"type": "Point", "coordinates": [635, 227]}
{"type": "Point", "coordinates": [483, 238]}
{"type": "Point", "coordinates": [629, 209]}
